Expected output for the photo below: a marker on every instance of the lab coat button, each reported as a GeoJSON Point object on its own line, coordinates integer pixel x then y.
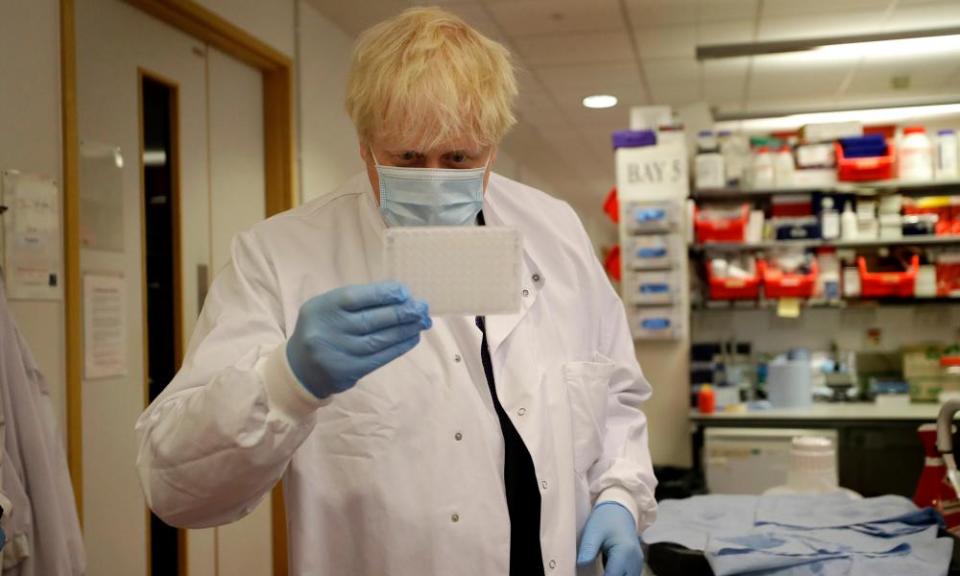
{"type": "Point", "coordinates": [525, 292]}
{"type": "Point", "coordinates": [522, 411]}
{"type": "Point", "coordinates": [458, 436]}
{"type": "Point", "coordinates": [536, 277]}
{"type": "Point", "coordinates": [457, 358]}
{"type": "Point", "coordinates": [544, 484]}
{"type": "Point", "coordinates": [455, 517]}
{"type": "Point", "coordinates": [553, 564]}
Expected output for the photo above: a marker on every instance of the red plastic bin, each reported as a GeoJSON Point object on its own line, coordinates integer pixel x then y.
{"type": "Point", "coordinates": [777, 284]}
{"type": "Point", "coordinates": [723, 230]}
{"type": "Point", "coordinates": [888, 284]}
{"type": "Point", "coordinates": [728, 288]}
{"type": "Point", "coordinates": [863, 169]}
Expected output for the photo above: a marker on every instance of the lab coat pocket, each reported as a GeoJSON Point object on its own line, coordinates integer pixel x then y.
{"type": "Point", "coordinates": [587, 390]}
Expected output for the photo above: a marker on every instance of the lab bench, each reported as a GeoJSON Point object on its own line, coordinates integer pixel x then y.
{"type": "Point", "coordinates": [879, 451]}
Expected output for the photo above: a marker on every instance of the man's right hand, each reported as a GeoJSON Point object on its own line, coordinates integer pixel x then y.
{"type": "Point", "coordinates": [347, 333]}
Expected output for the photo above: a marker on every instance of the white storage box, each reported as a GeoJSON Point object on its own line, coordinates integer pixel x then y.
{"type": "Point", "coordinates": [645, 218]}
{"type": "Point", "coordinates": [655, 323]}
{"type": "Point", "coordinates": [650, 252]}
{"type": "Point", "coordinates": [648, 288]}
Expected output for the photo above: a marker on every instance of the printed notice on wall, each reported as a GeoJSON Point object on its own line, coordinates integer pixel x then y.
{"type": "Point", "coordinates": [104, 327]}
{"type": "Point", "coordinates": [32, 246]}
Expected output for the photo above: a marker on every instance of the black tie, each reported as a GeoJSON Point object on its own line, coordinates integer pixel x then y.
{"type": "Point", "coordinates": [519, 479]}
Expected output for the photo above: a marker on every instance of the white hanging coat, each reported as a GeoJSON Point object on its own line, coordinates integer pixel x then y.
{"type": "Point", "coordinates": [403, 474]}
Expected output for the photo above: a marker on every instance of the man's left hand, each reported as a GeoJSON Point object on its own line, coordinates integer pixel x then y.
{"type": "Point", "coordinates": [612, 530]}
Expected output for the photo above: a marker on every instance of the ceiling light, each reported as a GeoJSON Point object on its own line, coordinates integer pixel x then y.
{"type": "Point", "coordinates": [600, 101]}
{"type": "Point", "coordinates": [904, 47]}
{"type": "Point", "coordinates": [885, 44]}
{"type": "Point", "coordinates": [786, 121]}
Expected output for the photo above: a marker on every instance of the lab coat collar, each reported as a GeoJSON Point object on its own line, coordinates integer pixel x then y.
{"type": "Point", "coordinates": [497, 213]}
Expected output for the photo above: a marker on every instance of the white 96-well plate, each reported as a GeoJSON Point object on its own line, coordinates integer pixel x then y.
{"type": "Point", "coordinates": [458, 270]}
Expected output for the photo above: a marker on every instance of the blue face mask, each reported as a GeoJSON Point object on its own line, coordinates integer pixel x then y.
{"type": "Point", "coordinates": [430, 196]}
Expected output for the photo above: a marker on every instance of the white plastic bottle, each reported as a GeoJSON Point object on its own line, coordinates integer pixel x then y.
{"type": "Point", "coordinates": [708, 164]}
{"type": "Point", "coordinates": [947, 160]}
{"type": "Point", "coordinates": [916, 154]}
{"type": "Point", "coordinates": [848, 222]}
{"type": "Point", "coordinates": [829, 220]}
{"type": "Point", "coordinates": [763, 168]}
{"type": "Point", "coordinates": [783, 167]}
{"type": "Point", "coordinates": [732, 162]}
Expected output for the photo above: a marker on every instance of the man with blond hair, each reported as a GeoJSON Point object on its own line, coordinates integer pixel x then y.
{"type": "Point", "coordinates": [408, 445]}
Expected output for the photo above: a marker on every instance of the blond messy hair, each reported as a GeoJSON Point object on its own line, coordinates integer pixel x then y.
{"type": "Point", "coordinates": [427, 74]}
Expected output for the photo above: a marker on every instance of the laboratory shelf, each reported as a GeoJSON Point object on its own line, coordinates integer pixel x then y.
{"type": "Point", "coordinates": [846, 303]}
{"type": "Point", "coordinates": [881, 186]}
{"type": "Point", "coordinates": [953, 240]}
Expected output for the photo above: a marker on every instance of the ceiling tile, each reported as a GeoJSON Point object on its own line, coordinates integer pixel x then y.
{"type": "Point", "coordinates": [724, 80]}
{"type": "Point", "coordinates": [591, 78]}
{"type": "Point", "coordinates": [781, 8]}
{"type": "Point", "coordinates": [788, 77]}
{"type": "Point", "coordinates": [539, 17]}
{"type": "Point", "coordinates": [737, 32]}
{"type": "Point", "coordinates": [728, 10]}
{"type": "Point", "coordinates": [574, 48]}
{"type": "Point", "coordinates": [925, 15]}
{"type": "Point", "coordinates": [672, 70]}
{"type": "Point", "coordinates": [539, 109]}
{"type": "Point", "coordinates": [931, 73]}
{"type": "Point", "coordinates": [676, 93]}
{"type": "Point", "coordinates": [674, 81]}
{"type": "Point", "coordinates": [654, 14]}
{"type": "Point", "coordinates": [607, 119]}
{"type": "Point", "coordinates": [829, 24]}
{"type": "Point", "coordinates": [667, 42]}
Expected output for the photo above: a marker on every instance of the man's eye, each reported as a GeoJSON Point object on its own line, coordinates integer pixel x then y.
{"type": "Point", "coordinates": [458, 157]}
{"type": "Point", "coordinates": [409, 156]}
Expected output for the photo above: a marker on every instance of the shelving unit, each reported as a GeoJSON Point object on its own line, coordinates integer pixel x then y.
{"type": "Point", "coordinates": [846, 303]}
{"type": "Point", "coordinates": [761, 198]}
{"type": "Point", "coordinates": [881, 186]}
{"type": "Point", "coordinates": [871, 243]}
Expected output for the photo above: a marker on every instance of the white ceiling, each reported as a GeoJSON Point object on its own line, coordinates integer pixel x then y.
{"type": "Point", "coordinates": [642, 51]}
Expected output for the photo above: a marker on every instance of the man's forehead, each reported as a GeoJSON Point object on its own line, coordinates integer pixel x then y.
{"type": "Point", "coordinates": [423, 136]}
{"type": "Point", "coordinates": [427, 146]}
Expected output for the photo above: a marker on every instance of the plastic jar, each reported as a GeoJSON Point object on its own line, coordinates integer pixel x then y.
{"type": "Point", "coordinates": [916, 155]}
{"type": "Point", "coordinates": [947, 155]}
{"type": "Point", "coordinates": [763, 168]}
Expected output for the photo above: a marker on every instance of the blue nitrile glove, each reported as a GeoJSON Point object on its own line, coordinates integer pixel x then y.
{"type": "Point", "coordinates": [347, 333]}
{"type": "Point", "coordinates": [611, 529]}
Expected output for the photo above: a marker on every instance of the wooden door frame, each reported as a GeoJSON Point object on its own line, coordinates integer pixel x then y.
{"type": "Point", "coordinates": [280, 194]}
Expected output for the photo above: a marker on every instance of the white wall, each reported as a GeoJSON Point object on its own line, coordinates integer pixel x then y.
{"type": "Point", "coordinates": [329, 153]}
{"type": "Point", "coordinates": [271, 21]}
{"type": "Point", "coordinates": [30, 142]}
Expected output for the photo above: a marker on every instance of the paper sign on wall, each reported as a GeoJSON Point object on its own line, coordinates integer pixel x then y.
{"type": "Point", "coordinates": [32, 246]}
{"type": "Point", "coordinates": [104, 327]}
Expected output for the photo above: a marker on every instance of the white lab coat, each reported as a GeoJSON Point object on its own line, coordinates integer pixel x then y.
{"type": "Point", "coordinates": [40, 518]}
{"type": "Point", "coordinates": [401, 475]}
